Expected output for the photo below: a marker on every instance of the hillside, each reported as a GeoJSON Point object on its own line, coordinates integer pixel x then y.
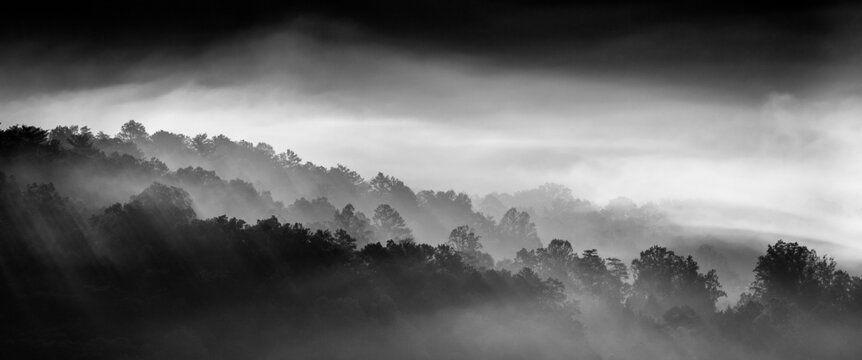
{"type": "Point", "coordinates": [169, 246]}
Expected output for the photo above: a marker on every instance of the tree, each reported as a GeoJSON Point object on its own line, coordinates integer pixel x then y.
{"type": "Point", "coordinates": [617, 268]}
{"type": "Point", "coordinates": [288, 159]}
{"type": "Point", "coordinates": [202, 144]}
{"type": "Point", "coordinates": [314, 213]}
{"type": "Point", "coordinates": [664, 280]}
{"type": "Point", "coordinates": [604, 278]}
{"type": "Point", "coordinates": [79, 140]}
{"type": "Point", "coordinates": [491, 205]}
{"type": "Point", "coordinates": [173, 145]}
{"type": "Point", "coordinates": [169, 203]}
{"type": "Point", "coordinates": [390, 225]}
{"type": "Point", "coordinates": [82, 143]}
{"type": "Point", "coordinates": [466, 242]}
{"type": "Point", "coordinates": [393, 191]}
{"type": "Point", "coordinates": [517, 231]}
{"type": "Point", "coordinates": [22, 136]}
{"type": "Point", "coordinates": [355, 223]}
{"type": "Point", "coordinates": [133, 131]}
{"type": "Point", "coordinates": [586, 275]}
{"type": "Point", "coordinates": [265, 149]}
{"type": "Point", "coordinates": [798, 295]}
{"type": "Point", "coordinates": [343, 172]}
{"type": "Point", "coordinates": [557, 261]}
{"type": "Point", "coordinates": [792, 273]}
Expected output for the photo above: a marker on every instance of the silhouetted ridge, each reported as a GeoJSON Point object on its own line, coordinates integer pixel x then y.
{"type": "Point", "coordinates": [109, 255]}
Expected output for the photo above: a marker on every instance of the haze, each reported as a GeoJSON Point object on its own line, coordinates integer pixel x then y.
{"type": "Point", "coordinates": [444, 119]}
{"type": "Point", "coordinates": [443, 180]}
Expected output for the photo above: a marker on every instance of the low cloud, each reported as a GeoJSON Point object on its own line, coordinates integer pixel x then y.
{"type": "Point", "coordinates": [452, 121]}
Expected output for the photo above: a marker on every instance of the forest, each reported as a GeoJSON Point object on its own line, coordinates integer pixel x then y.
{"type": "Point", "coordinates": [158, 245]}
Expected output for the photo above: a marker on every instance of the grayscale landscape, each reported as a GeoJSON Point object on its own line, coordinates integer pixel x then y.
{"type": "Point", "coordinates": [430, 180]}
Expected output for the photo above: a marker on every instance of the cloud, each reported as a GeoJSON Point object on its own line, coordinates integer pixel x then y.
{"type": "Point", "coordinates": [442, 120]}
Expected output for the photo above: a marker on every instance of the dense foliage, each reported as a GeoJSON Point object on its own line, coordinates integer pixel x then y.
{"type": "Point", "coordinates": [105, 254]}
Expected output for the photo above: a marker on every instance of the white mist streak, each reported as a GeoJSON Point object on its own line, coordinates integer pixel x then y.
{"type": "Point", "coordinates": [453, 122]}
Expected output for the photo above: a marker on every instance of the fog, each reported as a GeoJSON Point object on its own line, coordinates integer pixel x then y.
{"type": "Point", "coordinates": [442, 120]}
{"type": "Point", "coordinates": [473, 181]}
{"type": "Point", "coordinates": [503, 285]}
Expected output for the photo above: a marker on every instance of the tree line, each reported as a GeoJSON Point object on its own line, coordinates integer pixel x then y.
{"type": "Point", "coordinates": [148, 277]}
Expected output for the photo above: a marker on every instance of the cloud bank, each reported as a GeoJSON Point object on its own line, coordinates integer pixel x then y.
{"type": "Point", "coordinates": [336, 93]}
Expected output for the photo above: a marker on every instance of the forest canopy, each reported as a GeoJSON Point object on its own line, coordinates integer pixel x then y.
{"type": "Point", "coordinates": [165, 245]}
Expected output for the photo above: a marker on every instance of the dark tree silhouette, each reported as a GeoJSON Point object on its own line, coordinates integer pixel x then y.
{"type": "Point", "coordinates": [133, 131]}
{"type": "Point", "coordinates": [793, 273]}
{"type": "Point", "coordinates": [105, 254]}
{"type": "Point", "coordinates": [664, 280]}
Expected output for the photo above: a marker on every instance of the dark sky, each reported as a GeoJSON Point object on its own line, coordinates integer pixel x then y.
{"type": "Point", "coordinates": [486, 24]}
{"type": "Point", "coordinates": [736, 46]}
